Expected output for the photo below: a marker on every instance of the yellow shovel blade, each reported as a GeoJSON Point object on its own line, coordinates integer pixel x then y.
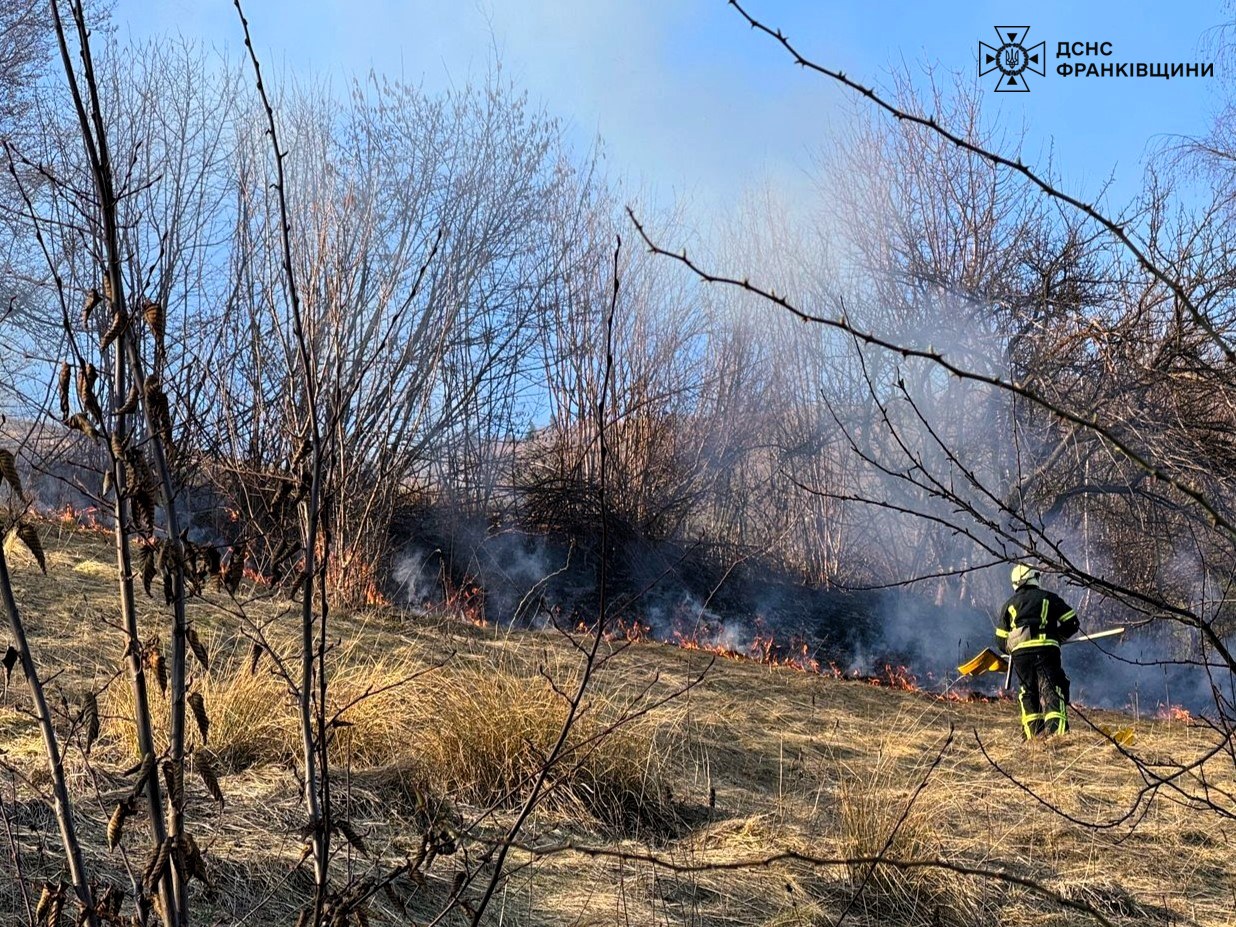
{"type": "Point", "coordinates": [986, 662]}
{"type": "Point", "coordinates": [1123, 736]}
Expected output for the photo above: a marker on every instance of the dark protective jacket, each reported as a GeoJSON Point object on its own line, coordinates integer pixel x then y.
{"type": "Point", "coordinates": [1033, 617]}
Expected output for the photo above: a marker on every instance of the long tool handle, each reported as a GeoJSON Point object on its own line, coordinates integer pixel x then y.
{"type": "Point", "coordinates": [1095, 636]}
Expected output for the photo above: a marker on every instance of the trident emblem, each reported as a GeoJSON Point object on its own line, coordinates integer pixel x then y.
{"type": "Point", "coordinates": [1012, 59]}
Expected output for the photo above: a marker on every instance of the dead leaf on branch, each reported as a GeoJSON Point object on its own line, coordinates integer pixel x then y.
{"type": "Point", "coordinates": [80, 422]}
{"type": "Point", "coordinates": [115, 826]}
{"type": "Point", "coordinates": [93, 298]}
{"type": "Point", "coordinates": [198, 706]}
{"type": "Point", "coordinates": [154, 660]}
{"type": "Point", "coordinates": [11, 656]}
{"type": "Point", "coordinates": [194, 863]}
{"type": "Point", "coordinates": [87, 377]}
{"type": "Point", "coordinates": [255, 657]}
{"type": "Point", "coordinates": [120, 322]}
{"type": "Point", "coordinates": [174, 778]}
{"type": "Point", "coordinates": [156, 866]}
{"type": "Point", "coordinates": [146, 565]}
{"type": "Point", "coordinates": [136, 469]}
{"type": "Point", "coordinates": [90, 720]}
{"type": "Point", "coordinates": [158, 410]}
{"type": "Point", "coordinates": [349, 832]}
{"type": "Point", "coordinates": [143, 509]}
{"type": "Point", "coordinates": [8, 470]}
{"type": "Point", "coordinates": [156, 318]}
{"type": "Point", "coordinates": [29, 536]}
{"type": "Point", "coordinates": [205, 767]}
{"type": "Point", "coordinates": [66, 377]}
{"type": "Point", "coordinates": [198, 648]}
{"type": "Point", "coordinates": [143, 771]}
{"type": "Point", "coordinates": [130, 401]}
{"type": "Point", "coordinates": [44, 906]}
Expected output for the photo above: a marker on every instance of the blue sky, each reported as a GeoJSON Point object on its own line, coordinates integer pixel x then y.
{"type": "Point", "coordinates": [690, 101]}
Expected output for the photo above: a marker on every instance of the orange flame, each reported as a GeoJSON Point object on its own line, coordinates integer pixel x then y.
{"type": "Point", "coordinates": [255, 577]}
{"type": "Point", "coordinates": [797, 654]}
{"type": "Point", "coordinates": [1174, 713]}
{"type": "Point", "coordinates": [86, 519]}
{"type": "Point", "coordinates": [374, 596]}
{"type": "Point", "coordinates": [899, 677]}
{"type": "Point", "coordinates": [631, 630]}
{"type": "Point", "coordinates": [467, 601]}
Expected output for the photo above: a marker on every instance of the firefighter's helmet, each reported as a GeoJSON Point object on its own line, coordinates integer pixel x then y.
{"type": "Point", "coordinates": [1024, 576]}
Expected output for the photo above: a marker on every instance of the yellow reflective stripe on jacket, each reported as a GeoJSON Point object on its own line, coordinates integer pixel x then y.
{"type": "Point", "coordinates": [1071, 613]}
{"type": "Point", "coordinates": [1041, 641]}
{"type": "Point", "coordinates": [1000, 632]}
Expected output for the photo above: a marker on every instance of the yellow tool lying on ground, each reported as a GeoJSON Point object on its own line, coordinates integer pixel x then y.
{"type": "Point", "coordinates": [988, 661]}
{"type": "Point", "coordinates": [1121, 735]}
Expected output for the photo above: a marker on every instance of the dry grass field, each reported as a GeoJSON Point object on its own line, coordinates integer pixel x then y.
{"type": "Point", "coordinates": [753, 761]}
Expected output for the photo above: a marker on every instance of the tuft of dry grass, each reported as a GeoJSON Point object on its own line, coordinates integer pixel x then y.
{"type": "Point", "coordinates": [483, 736]}
{"type": "Point", "coordinates": [477, 735]}
{"type": "Point", "coordinates": [251, 721]}
{"type": "Point", "coordinates": [876, 818]}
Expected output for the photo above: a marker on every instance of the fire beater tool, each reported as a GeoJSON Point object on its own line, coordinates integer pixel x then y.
{"type": "Point", "coordinates": [988, 661]}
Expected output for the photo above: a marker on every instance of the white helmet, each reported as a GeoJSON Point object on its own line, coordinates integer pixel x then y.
{"type": "Point", "coordinates": [1024, 576]}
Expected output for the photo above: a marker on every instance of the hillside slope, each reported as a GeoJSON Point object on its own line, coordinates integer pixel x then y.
{"type": "Point", "coordinates": [688, 799]}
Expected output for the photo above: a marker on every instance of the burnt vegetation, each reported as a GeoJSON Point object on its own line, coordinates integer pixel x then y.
{"type": "Point", "coordinates": [358, 450]}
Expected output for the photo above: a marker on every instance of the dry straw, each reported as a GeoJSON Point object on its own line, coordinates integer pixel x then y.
{"type": "Point", "coordinates": [477, 735]}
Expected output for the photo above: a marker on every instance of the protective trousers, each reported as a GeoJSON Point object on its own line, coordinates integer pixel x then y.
{"type": "Point", "coordinates": [1044, 691]}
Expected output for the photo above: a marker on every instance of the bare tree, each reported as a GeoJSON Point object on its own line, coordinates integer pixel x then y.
{"type": "Point", "coordinates": [417, 243]}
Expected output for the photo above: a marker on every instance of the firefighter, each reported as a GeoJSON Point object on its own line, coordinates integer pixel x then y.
{"type": "Point", "coordinates": [1031, 626]}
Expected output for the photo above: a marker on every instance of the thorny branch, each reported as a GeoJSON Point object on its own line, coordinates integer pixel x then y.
{"type": "Point", "coordinates": [314, 745]}
{"type": "Point", "coordinates": [128, 363]}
